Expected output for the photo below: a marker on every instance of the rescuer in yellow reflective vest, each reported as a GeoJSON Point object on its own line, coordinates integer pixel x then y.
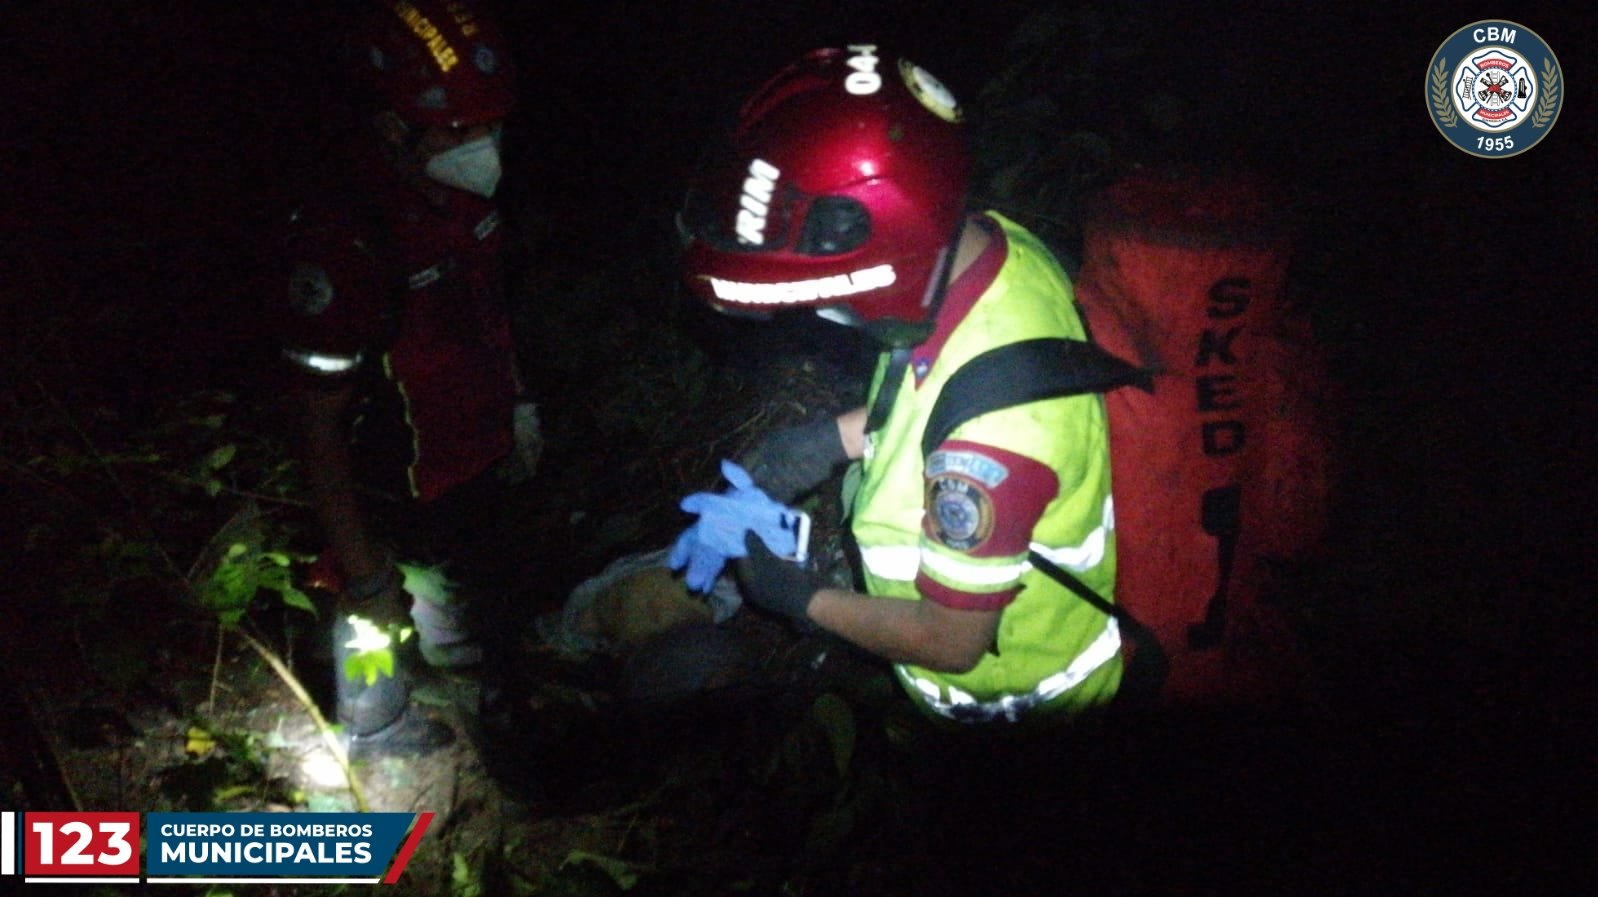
{"type": "Point", "coordinates": [955, 527]}
{"type": "Point", "coordinates": [840, 189]}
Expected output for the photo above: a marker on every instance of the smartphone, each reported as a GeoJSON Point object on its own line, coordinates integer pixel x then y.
{"type": "Point", "coordinates": [801, 550]}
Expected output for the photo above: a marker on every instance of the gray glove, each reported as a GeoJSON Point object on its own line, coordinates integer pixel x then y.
{"type": "Point", "coordinates": [789, 462]}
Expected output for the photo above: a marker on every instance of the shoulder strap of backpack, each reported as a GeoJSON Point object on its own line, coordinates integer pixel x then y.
{"type": "Point", "coordinates": [1027, 371]}
{"type": "Point", "coordinates": [1149, 665]}
{"type": "Point", "coordinates": [1030, 371]}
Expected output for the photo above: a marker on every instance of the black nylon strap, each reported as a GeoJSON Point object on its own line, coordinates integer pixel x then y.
{"type": "Point", "coordinates": [1027, 371]}
{"type": "Point", "coordinates": [888, 392]}
{"type": "Point", "coordinates": [1149, 666]}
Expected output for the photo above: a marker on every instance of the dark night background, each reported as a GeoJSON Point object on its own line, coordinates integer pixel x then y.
{"type": "Point", "coordinates": [150, 146]}
{"type": "Point", "coordinates": [174, 134]}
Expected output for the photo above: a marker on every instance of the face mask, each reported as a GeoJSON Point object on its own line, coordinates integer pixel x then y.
{"type": "Point", "coordinates": [473, 166]}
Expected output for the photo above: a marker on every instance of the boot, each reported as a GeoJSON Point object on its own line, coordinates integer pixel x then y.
{"type": "Point", "coordinates": [377, 717]}
{"type": "Point", "coordinates": [442, 618]}
{"type": "Point", "coordinates": [413, 734]}
{"type": "Point", "coordinates": [443, 636]}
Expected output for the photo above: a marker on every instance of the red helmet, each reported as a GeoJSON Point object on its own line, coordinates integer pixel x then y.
{"type": "Point", "coordinates": [437, 62]}
{"type": "Point", "coordinates": [841, 184]}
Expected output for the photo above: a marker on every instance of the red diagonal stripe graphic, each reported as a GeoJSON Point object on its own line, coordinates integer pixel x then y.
{"type": "Point", "coordinates": [423, 820]}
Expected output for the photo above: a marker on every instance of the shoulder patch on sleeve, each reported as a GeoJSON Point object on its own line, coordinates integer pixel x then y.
{"type": "Point", "coordinates": [961, 510]}
{"type": "Point", "coordinates": [310, 289]}
{"type": "Point", "coordinates": [975, 465]}
{"type": "Point", "coordinates": [984, 500]}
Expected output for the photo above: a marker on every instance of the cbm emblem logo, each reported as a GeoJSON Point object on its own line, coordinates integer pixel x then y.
{"type": "Point", "coordinates": [1494, 89]}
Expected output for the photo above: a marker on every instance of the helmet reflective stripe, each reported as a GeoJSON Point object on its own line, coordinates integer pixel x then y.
{"type": "Point", "coordinates": [962, 707]}
{"type": "Point", "coordinates": [756, 202]}
{"type": "Point", "coordinates": [323, 363]}
{"type": "Point", "coordinates": [802, 291]}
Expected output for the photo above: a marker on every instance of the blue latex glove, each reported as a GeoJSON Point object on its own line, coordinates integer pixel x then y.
{"type": "Point", "coordinates": [725, 519]}
{"type": "Point", "coordinates": [767, 518]}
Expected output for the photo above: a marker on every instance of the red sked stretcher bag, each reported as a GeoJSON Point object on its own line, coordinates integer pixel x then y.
{"type": "Point", "coordinates": [1222, 471]}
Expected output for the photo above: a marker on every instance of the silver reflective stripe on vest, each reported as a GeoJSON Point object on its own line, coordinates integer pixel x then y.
{"type": "Point", "coordinates": [962, 707]}
{"type": "Point", "coordinates": [1088, 554]}
{"type": "Point", "coordinates": [323, 363]}
{"type": "Point", "coordinates": [899, 563]}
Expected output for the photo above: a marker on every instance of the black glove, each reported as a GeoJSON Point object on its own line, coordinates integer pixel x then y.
{"type": "Point", "coordinates": [789, 462]}
{"type": "Point", "coordinates": [780, 586]}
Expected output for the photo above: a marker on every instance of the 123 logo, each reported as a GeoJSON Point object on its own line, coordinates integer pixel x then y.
{"type": "Point", "coordinates": [81, 846]}
{"type": "Point", "coordinates": [1494, 89]}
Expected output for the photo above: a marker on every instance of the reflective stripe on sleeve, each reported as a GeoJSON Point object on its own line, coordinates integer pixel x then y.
{"type": "Point", "coordinates": [321, 362]}
{"type": "Point", "coordinates": [952, 569]}
{"type": "Point", "coordinates": [900, 563]}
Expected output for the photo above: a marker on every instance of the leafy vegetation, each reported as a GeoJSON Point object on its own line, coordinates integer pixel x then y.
{"type": "Point", "coordinates": [163, 611]}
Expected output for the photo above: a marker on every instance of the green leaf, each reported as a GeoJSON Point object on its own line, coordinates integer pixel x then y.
{"type": "Point", "coordinates": [199, 742]}
{"type": "Point", "coordinates": [620, 871]}
{"type": "Point", "coordinates": [368, 665]}
{"type": "Point", "coordinates": [229, 792]}
{"type": "Point", "coordinates": [464, 880]}
{"type": "Point", "coordinates": [295, 598]}
{"type": "Point", "coordinates": [232, 585]}
{"type": "Point", "coordinates": [356, 670]}
{"type": "Point", "coordinates": [220, 457]}
{"type": "Point", "coordinates": [429, 583]}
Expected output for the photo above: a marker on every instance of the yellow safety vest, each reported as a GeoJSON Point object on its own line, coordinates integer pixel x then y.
{"type": "Point", "coordinates": [1054, 651]}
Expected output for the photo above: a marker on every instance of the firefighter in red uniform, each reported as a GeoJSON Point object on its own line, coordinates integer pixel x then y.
{"type": "Point", "coordinates": [399, 337]}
